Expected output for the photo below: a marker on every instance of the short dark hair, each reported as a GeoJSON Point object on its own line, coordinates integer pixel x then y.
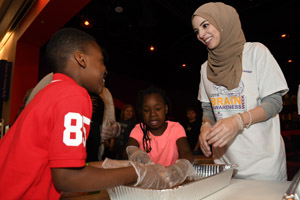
{"type": "Point", "coordinates": [63, 43]}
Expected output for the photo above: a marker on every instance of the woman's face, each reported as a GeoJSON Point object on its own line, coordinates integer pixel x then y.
{"type": "Point", "coordinates": [206, 32]}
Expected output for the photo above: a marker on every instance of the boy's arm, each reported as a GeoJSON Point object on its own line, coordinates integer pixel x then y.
{"type": "Point", "coordinates": [91, 178]}
{"type": "Point", "coordinates": [184, 149]}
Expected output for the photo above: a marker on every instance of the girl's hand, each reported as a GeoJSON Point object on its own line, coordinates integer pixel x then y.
{"type": "Point", "coordinates": [225, 130]}
{"type": "Point", "coordinates": [204, 145]}
{"type": "Point", "coordinates": [135, 154]}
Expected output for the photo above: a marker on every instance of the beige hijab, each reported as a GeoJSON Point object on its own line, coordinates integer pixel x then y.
{"type": "Point", "coordinates": [225, 61]}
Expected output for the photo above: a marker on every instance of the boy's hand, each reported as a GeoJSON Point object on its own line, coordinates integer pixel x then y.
{"type": "Point", "coordinates": [150, 176]}
{"type": "Point", "coordinates": [178, 172]}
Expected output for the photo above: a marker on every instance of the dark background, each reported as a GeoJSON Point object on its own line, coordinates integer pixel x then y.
{"type": "Point", "coordinates": [166, 24]}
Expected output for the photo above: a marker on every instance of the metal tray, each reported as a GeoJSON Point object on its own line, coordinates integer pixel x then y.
{"type": "Point", "coordinates": [209, 178]}
{"type": "Point", "coordinates": [293, 192]}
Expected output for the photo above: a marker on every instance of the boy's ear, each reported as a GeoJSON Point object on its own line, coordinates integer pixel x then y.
{"type": "Point", "coordinates": [80, 58]}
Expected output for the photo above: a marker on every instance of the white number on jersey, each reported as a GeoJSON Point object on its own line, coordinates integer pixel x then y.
{"type": "Point", "coordinates": [73, 124]}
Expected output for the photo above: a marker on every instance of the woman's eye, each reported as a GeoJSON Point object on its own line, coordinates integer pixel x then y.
{"type": "Point", "coordinates": [205, 25]}
{"type": "Point", "coordinates": [196, 32]}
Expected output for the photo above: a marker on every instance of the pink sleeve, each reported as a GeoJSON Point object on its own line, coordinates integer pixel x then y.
{"type": "Point", "coordinates": [137, 134]}
{"type": "Point", "coordinates": [179, 131]}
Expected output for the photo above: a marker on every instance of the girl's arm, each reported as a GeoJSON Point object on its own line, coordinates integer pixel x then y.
{"type": "Point", "coordinates": [184, 149]}
{"type": "Point", "coordinates": [131, 142]}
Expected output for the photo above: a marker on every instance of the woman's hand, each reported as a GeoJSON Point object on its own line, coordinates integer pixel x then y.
{"type": "Point", "coordinates": [204, 131]}
{"type": "Point", "coordinates": [225, 130]}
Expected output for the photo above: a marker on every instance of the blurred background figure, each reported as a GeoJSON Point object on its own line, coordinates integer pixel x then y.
{"type": "Point", "coordinates": [93, 142]}
{"type": "Point", "coordinates": [192, 130]}
{"type": "Point", "coordinates": [298, 100]}
{"type": "Point", "coordinates": [127, 123]}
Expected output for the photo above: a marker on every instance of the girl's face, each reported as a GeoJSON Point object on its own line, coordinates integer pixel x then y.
{"type": "Point", "coordinates": [206, 32]}
{"type": "Point", "coordinates": [128, 113]}
{"type": "Point", "coordinates": [154, 113]}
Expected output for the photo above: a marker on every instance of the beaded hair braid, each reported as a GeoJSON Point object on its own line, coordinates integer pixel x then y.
{"type": "Point", "coordinates": [139, 109]}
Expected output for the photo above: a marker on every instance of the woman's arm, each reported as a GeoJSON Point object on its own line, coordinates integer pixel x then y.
{"type": "Point", "coordinates": [184, 149]}
{"type": "Point", "coordinates": [270, 106]}
{"type": "Point", "coordinates": [208, 114]}
{"type": "Point", "coordinates": [226, 129]}
{"type": "Point", "coordinates": [208, 120]}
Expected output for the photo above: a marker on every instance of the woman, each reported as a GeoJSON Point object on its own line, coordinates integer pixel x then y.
{"type": "Point", "coordinates": [239, 97]}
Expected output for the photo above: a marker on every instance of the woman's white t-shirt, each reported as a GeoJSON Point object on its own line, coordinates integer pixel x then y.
{"type": "Point", "coordinates": [259, 151]}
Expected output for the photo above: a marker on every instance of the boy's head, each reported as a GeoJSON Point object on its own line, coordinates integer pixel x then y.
{"type": "Point", "coordinates": [77, 54]}
{"type": "Point", "coordinates": [191, 114]}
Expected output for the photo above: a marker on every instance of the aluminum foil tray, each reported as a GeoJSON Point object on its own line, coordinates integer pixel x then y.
{"type": "Point", "coordinates": [209, 178]}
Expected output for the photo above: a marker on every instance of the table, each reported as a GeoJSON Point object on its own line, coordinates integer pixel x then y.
{"type": "Point", "coordinates": [238, 189]}
{"type": "Point", "coordinates": [241, 189]}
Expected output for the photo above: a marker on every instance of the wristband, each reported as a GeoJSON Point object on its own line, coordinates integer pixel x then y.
{"type": "Point", "coordinates": [250, 121]}
{"type": "Point", "coordinates": [203, 123]}
{"type": "Point", "coordinates": [241, 122]}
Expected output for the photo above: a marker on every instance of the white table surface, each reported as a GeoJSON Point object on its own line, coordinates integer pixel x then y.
{"type": "Point", "coordinates": [240, 189]}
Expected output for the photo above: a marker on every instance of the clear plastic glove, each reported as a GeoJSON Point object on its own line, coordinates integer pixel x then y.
{"type": "Point", "coordinates": [204, 131]}
{"type": "Point", "coordinates": [225, 130]}
{"type": "Point", "coordinates": [136, 154]}
{"type": "Point", "coordinates": [111, 130]}
{"type": "Point", "coordinates": [109, 163]}
{"type": "Point", "coordinates": [178, 172]}
{"type": "Point", "coordinates": [150, 176]}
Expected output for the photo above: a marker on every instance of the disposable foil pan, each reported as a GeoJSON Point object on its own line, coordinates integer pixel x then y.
{"type": "Point", "coordinates": [293, 192]}
{"type": "Point", "coordinates": [209, 178]}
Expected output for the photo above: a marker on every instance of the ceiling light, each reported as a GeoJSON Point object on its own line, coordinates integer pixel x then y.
{"type": "Point", "coordinates": [119, 9]}
{"type": "Point", "coordinates": [284, 35]}
{"type": "Point", "coordinates": [86, 23]}
{"type": "Point", "coordinates": [183, 65]}
{"type": "Point", "coordinates": [152, 48]}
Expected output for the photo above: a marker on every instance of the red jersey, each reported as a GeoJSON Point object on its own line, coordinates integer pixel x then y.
{"type": "Point", "coordinates": [51, 132]}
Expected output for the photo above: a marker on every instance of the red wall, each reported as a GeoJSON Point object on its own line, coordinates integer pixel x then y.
{"type": "Point", "coordinates": [44, 18]}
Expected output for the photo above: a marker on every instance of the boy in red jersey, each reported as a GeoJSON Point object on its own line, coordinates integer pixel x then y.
{"type": "Point", "coordinates": [44, 152]}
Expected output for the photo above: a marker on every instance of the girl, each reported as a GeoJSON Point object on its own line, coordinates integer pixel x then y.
{"type": "Point", "coordinates": [127, 123]}
{"type": "Point", "coordinates": [164, 141]}
{"type": "Point", "coordinates": [241, 93]}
